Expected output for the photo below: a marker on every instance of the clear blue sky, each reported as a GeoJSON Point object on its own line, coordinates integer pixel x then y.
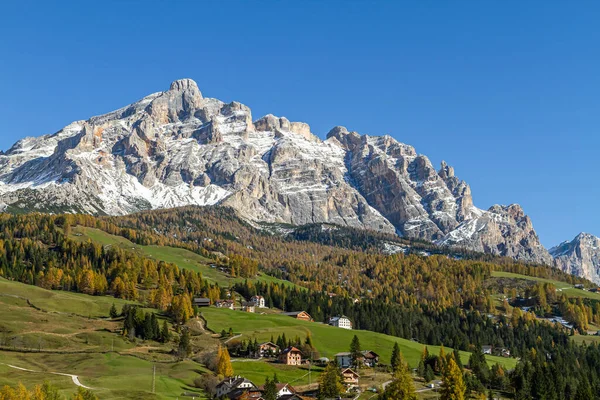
{"type": "Point", "coordinates": [506, 92]}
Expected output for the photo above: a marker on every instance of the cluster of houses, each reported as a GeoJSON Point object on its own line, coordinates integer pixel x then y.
{"type": "Point", "coordinates": [255, 302]}
{"type": "Point", "coordinates": [238, 388]}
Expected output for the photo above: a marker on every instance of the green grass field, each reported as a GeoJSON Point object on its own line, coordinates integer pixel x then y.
{"type": "Point", "coordinates": [327, 339]}
{"type": "Point", "coordinates": [181, 257]}
{"type": "Point", "coordinates": [566, 288]}
{"type": "Point", "coordinates": [60, 338]}
{"type": "Point", "coordinates": [60, 301]}
{"type": "Point", "coordinates": [112, 376]}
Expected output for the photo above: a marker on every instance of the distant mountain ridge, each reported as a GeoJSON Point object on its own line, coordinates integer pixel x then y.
{"type": "Point", "coordinates": [580, 256]}
{"type": "Point", "coordinates": [177, 147]}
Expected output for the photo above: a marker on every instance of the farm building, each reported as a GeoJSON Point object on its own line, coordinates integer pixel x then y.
{"type": "Point", "coordinates": [201, 302]}
{"type": "Point", "coordinates": [301, 315]}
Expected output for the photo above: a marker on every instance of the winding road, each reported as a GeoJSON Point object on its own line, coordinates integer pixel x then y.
{"type": "Point", "coordinates": [74, 378]}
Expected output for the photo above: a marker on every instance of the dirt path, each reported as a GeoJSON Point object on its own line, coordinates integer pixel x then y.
{"type": "Point", "coordinates": [74, 378]}
{"type": "Point", "coordinates": [231, 338]}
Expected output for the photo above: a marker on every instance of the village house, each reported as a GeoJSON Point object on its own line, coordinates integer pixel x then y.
{"type": "Point", "coordinates": [290, 356]}
{"type": "Point", "coordinates": [370, 358]}
{"type": "Point", "coordinates": [343, 360]}
{"type": "Point", "coordinates": [487, 349]}
{"type": "Point", "coordinates": [295, 396]}
{"type": "Point", "coordinates": [231, 384]}
{"type": "Point", "coordinates": [259, 301]}
{"type": "Point", "coordinates": [248, 306]}
{"type": "Point", "coordinates": [267, 349]}
{"type": "Point", "coordinates": [350, 378]}
{"type": "Point", "coordinates": [284, 390]}
{"type": "Point", "coordinates": [224, 304]}
{"type": "Point", "coordinates": [245, 394]}
{"type": "Point", "coordinates": [341, 322]}
{"type": "Point", "coordinates": [301, 315]}
{"type": "Point", "coordinates": [201, 302]}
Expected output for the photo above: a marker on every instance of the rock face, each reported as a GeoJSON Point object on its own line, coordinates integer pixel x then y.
{"type": "Point", "coordinates": [178, 147]}
{"type": "Point", "coordinates": [581, 256]}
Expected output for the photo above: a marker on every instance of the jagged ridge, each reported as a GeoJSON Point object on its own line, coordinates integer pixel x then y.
{"type": "Point", "coordinates": [177, 147]}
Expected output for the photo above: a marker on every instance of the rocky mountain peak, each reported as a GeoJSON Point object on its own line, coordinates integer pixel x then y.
{"type": "Point", "coordinates": [176, 147]}
{"type": "Point", "coordinates": [580, 256]}
{"type": "Point", "coordinates": [181, 85]}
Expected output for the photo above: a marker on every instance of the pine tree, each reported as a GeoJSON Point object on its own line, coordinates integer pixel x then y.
{"type": "Point", "coordinates": [165, 336]}
{"type": "Point", "coordinates": [330, 382]}
{"type": "Point", "coordinates": [270, 390]}
{"type": "Point", "coordinates": [396, 358]}
{"type": "Point", "coordinates": [185, 347]}
{"type": "Point", "coordinates": [355, 353]}
{"type": "Point", "coordinates": [113, 311]}
{"type": "Point", "coordinates": [453, 385]}
{"type": "Point", "coordinates": [429, 375]}
{"type": "Point", "coordinates": [421, 369]}
{"type": "Point", "coordinates": [402, 386]}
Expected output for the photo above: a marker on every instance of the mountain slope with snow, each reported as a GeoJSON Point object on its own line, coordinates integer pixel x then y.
{"type": "Point", "coordinates": [177, 147]}
{"type": "Point", "coordinates": [580, 256]}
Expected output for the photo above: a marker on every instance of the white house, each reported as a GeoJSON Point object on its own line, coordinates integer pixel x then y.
{"type": "Point", "coordinates": [231, 384]}
{"type": "Point", "coordinates": [259, 301]}
{"type": "Point", "coordinates": [341, 322]}
{"type": "Point", "coordinates": [283, 390]}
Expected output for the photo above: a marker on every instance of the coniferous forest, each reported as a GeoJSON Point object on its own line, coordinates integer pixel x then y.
{"type": "Point", "coordinates": [441, 299]}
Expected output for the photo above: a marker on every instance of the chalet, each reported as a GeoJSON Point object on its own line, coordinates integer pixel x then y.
{"type": "Point", "coordinates": [259, 301]}
{"type": "Point", "coordinates": [579, 286]}
{"type": "Point", "coordinates": [370, 358]}
{"type": "Point", "coordinates": [245, 394]}
{"type": "Point", "coordinates": [284, 390]}
{"type": "Point", "coordinates": [341, 322]}
{"type": "Point", "coordinates": [350, 378]}
{"type": "Point", "coordinates": [290, 356]}
{"type": "Point", "coordinates": [487, 349]}
{"type": "Point", "coordinates": [295, 396]}
{"type": "Point", "coordinates": [232, 384]}
{"type": "Point", "coordinates": [248, 306]}
{"type": "Point", "coordinates": [301, 315]}
{"type": "Point", "coordinates": [267, 349]}
{"type": "Point", "coordinates": [343, 360]}
{"type": "Point", "coordinates": [224, 304]}
{"type": "Point", "coordinates": [201, 302]}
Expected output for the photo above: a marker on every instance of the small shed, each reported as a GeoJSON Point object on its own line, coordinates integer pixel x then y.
{"type": "Point", "coordinates": [201, 302]}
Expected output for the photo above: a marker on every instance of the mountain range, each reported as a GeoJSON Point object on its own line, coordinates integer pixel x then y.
{"type": "Point", "coordinates": [177, 147]}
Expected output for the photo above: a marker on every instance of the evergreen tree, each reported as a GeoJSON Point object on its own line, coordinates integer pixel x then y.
{"type": "Point", "coordinates": [165, 336]}
{"type": "Point", "coordinates": [330, 382]}
{"type": "Point", "coordinates": [275, 377]}
{"type": "Point", "coordinates": [429, 375]}
{"type": "Point", "coordinates": [402, 386]}
{"type": "Point", "coordinates": [270, 390]}
{"type": "Point", "coordinates": [113, 311]}
{"type": "Point", "coordinates": [185, 347]}
{"type": "Point", "coordinates": [355, 353]}
{"type": "Point", "coordinates": [421, 369]}
{"type": "Point", "coordinates": [396, 358]}
{"type": "Point", "coordinates": [453, 385]}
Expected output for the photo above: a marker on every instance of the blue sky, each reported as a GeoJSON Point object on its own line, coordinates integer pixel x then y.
{"type": "Point", "coordinates": [506, 92]}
